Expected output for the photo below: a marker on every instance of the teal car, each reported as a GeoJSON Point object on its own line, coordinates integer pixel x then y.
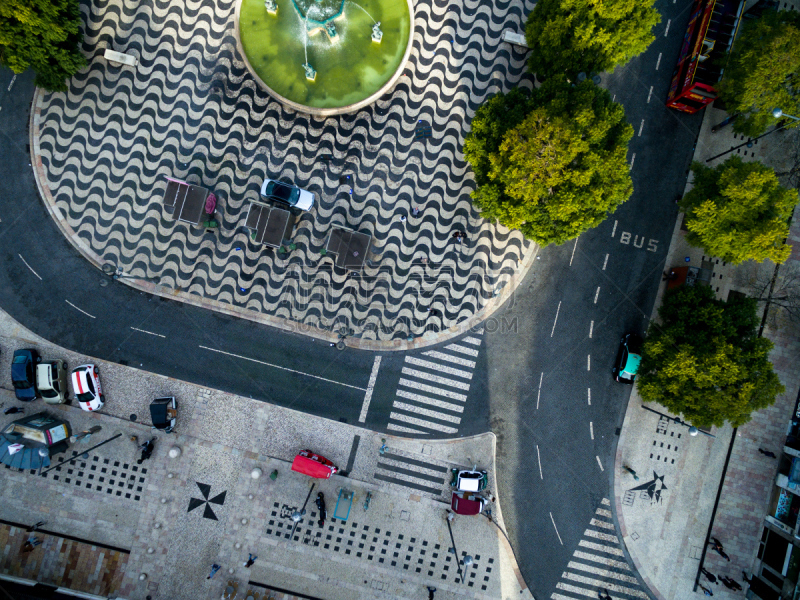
{"type": "Point", "coordinates": [628, 358]}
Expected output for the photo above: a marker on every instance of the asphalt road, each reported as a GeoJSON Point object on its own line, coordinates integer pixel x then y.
{"type": "Point", "coordinates": [543, 354]}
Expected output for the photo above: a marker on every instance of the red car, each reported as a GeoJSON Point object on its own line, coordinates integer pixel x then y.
{"type": "Point", "coordinates": [467, 503]}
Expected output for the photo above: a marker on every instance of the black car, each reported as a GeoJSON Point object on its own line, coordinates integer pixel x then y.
{"type": "Point", "coordinates": [22, 374]}
{"type": "Point", "coordinates": [628, 358]}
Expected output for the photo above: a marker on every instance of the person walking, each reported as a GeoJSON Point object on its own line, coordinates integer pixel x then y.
{"type": "Point", "coordinates": [604, 595]}
{"type": "Point", "coordinates": [13, 410]}
{"type": "Point", "coordinates": [415, 211]}
{"type": "Point", "coordinates": [30, 544]}
{"type": "Point", "coordinates": [214, 568]}
{"type": "Point", "coordinates": [706, 591]}
{"type": "Point", "coordinates": [746, 577]}
{"type": "Point", "coordinates": [717, 546]}
{"type": "Point", "coordinates": [767, 453]}
{"type": "Point", "coordinates": [431, 592]}
{"type": "Point", "coordinates": [710, 576]}
{"type": "Point", "coordinates": [250, 560]}
{"type": "Point", "coordinates": [729, 583]}
{"type": "Point", "coordinates": [33, 528]}
{"type": "Point", "coordinates": [147, 450]}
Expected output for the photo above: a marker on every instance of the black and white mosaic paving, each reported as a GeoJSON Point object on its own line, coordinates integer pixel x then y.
{"type": "Point", "coordinates": [191, 110]}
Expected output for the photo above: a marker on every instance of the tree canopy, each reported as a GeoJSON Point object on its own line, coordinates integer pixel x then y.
{"type": "Point", "coordinates": [551, 163]}
{"type": "Point", "coordinates": [739, 211]}
{"type": "Point", "coordinates": [704, 359]}
{"type": "Point", "coordinates": [763, 72]}
{"type": "Point", "coordinates": [43, 35]}
{"type": "Point", "coordinates": [570, 36]}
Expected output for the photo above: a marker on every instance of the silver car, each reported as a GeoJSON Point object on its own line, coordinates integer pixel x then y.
{"type": "Point", "coordinates": [51, 380]}
{"type": "Point", "coordinates": [288, 194]}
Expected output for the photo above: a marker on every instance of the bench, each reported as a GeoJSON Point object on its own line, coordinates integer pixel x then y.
{"type": "Point", "coordinates": [119, 57]}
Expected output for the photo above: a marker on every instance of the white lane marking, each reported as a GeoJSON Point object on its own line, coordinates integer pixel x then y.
{"type": "Point", "coordinates": [650, 93]}
{"type": "Point", "coordinates": [402, 429]}
{"type": "Point", "coordinates": [596, 294]}
{"type": "Point", "coordinates": [573, 252]}
{"type": "Point", "coordinates": [79, 310]}
{"type": "Point", "coordinates": [605, 262]}
{"type": "Point", "coordinates": [601, 548]}
{"type": "Point", "coordinates": [641, 126]}
{"type": "Point", "coordinates": [426, 412]}
{"type": "Point", "coordinates": [591, 328]}
{"type": "Point", "coordinates": [604, 513]}
{"type": "Point", "coordinates": [589, 395]}
{"type": "Point", "coordinates": [370, 386]}
{"type": "Point", "coordinates": [10, 85]}
{"type": "Point", "coordinates": [588, 362]}
{"type": "Point", "coordinates": [433, 390]}
{"type": "Point", "coordinates": [606, 502]}
{"type": "Point", "coordinates": [431, 401]}
{"type": "Point", "coordinates": [578, 566]}
{"type": "Point", "coordinates": [617, 564]}
{"type": "Point", "coordinates": [633, 158]}
{"type": "Point", "coordinates": [591, 430]}
{"type": "Point", "coordinates": [472, 340]}
{"type": "Point", "coordinates": [556, 321]}
{"type": "Point", "coordinates": [600, 583]}
{"type": "Point", "coordinates": [422, 423]}
{"type": "Point", "coordinates": [435, 378]}
{"type": "Point", "coordinates": [602, 524]}
{"type": "Point", "coordinates": [450, 358]}
{"type": "Point", "coordinates": [540, 462]}
{"type": "Point", "coordinates": [556, 528]}
{"type": "Point", "coordinates": [539, 393]}
{"type": "Point", "coordinates": [31, 268]}
{"type": "Point", "coordinates": [266, 364]}
{"type": "Point", "coordinates": [437, 367]}
{"type": "Point", "coordinates": [658, 62]}
{"type": "Point", "coordinates": [666, 31]}
{"type": "Point", "coordinates": [461, 349]}
{"type": "Point", "coordinates": [613, 231]}
{"type": "Point", "coordinates": [148, 332]}
{"type": "Point", "coordinates": [601, 465]}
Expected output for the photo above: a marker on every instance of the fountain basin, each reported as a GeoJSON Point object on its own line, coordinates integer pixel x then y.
{"type": "Point", "coordinates": [351, 68]}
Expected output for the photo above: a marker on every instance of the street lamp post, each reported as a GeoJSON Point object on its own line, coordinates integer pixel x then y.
{"type": "Point", "coordinates": [777, 113]}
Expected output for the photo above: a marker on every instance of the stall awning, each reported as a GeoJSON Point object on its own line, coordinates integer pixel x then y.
{"type": "Point", "coordinates": [27, 458]}
{"type": "Point", "coordinates": [350, 247]}
{"type": "Point", "coordinates": [185, 201]}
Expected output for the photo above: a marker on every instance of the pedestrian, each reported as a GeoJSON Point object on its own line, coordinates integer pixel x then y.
{"type": "Point", "coordinates": [424, 260]}
{"type": "Point", "coordinates": [13, 410]}
{"type": "Point", "coordinates": [30, 544]}
{"type": "Point", "coordinates": [710, 576]}
{"type": "Point", "coordinates": [402, 217]}
{"type": "Point", "coordinates": [457, 235]}
{"type": "Point", "coordinates": [746, 577]}
{"type": "Point", "coordinates": [431, 592]}
{"type": "Point", "coordinates": [214, 568]}
{"type": "Point", "coordinates": [717, 546]}
{"type": "Point", "coordinates": [250, 560]}
{"type": "Point", "coordinates": [604, 595]}
{"type": "Point", "coordinates": [706, 590]}
{"type": "Point", "coordinates": [731, 584]}
{"type": "Point", "coordinates": [432, 312]}
{"type": "Point", "coordinates": [415, 211]}
{"type": "Point", "coordinates": [147, 450]}
{"type": "Point", "coordinates": [33, 528]}
{"type": "Point", "coordinates": [767, 453]}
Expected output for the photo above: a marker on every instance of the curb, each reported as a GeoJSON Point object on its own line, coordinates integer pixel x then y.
{"type": "Point", "coordinates": [287, 325]}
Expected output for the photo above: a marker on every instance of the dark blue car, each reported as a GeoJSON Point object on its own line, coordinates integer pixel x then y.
{"type": "Point", "coordinates": [22, 374]}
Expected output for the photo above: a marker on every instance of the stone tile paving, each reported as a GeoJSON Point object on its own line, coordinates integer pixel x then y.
{"type": "Point", "coordinates": [192, 508]}
{"type": "Point", "coordinates": [61, 562]}
{"type": "Point", "coordinates": [191, 110]}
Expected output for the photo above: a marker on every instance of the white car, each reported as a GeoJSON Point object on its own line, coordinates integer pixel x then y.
{"type": "Point", "coordinates": [288, 194]}
{"type": "Point", "coordinates": [87, 388]}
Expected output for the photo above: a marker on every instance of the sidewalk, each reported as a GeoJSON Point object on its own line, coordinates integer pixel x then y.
{"type": "Point", "coordinates": [664, 517]}
{"type": "Point", "coordinates": [118, 528]}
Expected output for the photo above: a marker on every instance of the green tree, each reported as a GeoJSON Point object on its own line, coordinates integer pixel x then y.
{"type": "Point", "coordinates": [763, 72]}
{"type": "Point", "coordinates": [705, 360]}
{"type": "Point", "coordinates": [570, 36]}
{"type": "Point", "coordinates": [551, 164]}
{"type": "Point", "coordinates": [43, 35]}
{"type": "Point", "coordinates": [739, 211]}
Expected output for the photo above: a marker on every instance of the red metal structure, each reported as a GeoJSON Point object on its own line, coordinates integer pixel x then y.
{"type": "Point", "coordinates": [709, 36]}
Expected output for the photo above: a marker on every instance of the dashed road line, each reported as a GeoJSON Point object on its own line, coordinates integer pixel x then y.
{"type": "Point", "coordinates": [80, 310]}
{"type": "Point", "coordinates": [266, 364]}
{"type": "Point", "coordinates": [633, 158]}
{"type": "Point", "coordinates": [591, 430]}
{"type": "Point", "coordinates": [556, 528]}
{"type": "Point", "coordinates": [589, 396]}
{"type": "Point", "coordinates": [27, 265]}
{"type": "Point", "coordinates": [641, 126]}
{"type": "Point", "coordinates": [666, 31]}
{"type": "Point", "coordinates": [573, 252]}
{"type": "Point", "coordinates": [591, 328]}
{"type": "Point", "coordinates": [605, 262]}
{"type": "Point", "coordinates": [613, 231]}
{"type": "Point", "coordinates": [596, 294]}
{"type": "Point", "coordinates": [649, 94]}
{"type": "Point", "coordinates": [658, 62]}
{"type": "Point", "coordinates": [588, 362]}
{"type": "Point", "coordinates": [600, 464]}
{"type": "Point", "coordinates": [556, 320]}
{"type": "Point", "coordinates": [539, 457]}
{"type": "Point", "coordinates": [539, 393]}
{"type": "Point", "coordinates": [148, 332]}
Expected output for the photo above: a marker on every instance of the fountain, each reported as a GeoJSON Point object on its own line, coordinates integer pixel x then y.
{"type": "Point", "coordinates": [325, 56]}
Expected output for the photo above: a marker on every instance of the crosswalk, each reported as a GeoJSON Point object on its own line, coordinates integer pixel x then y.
{"type": "Point", "coordinates": [433, 388]}
{"type": "Point", "coordinates": [599, 564]}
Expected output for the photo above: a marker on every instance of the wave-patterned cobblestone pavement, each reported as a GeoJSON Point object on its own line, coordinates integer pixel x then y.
{"type": "Point", "coordinates": [192, 111]}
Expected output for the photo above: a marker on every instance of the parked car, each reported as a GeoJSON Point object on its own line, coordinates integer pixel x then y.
{"type": "Point", "coordinates": [628, 358]}
{"type": "Point", "coordinates": [288, 194]}
{"type": "Point", "coordinates": [467, 503]}
{"type": "Point", "coordinates": [86, 384]}
{"type": "Point", "coordinates": [469, 480]}
{"type": "Point", "coordinates": [51, 380]}
{"type": "Point", "coordinates": [22, 375]}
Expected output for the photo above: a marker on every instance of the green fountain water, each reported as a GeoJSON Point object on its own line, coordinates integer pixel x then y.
{"type": "Point", "coordinates": [334, 38]}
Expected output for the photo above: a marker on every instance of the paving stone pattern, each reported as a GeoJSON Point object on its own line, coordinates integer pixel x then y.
{"type": "Point", "coordinates": [61, 562]}
{"type": "Point", "coordinates": [191, 110]}
{"type": "Point", "coordinates": [103, 475]}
